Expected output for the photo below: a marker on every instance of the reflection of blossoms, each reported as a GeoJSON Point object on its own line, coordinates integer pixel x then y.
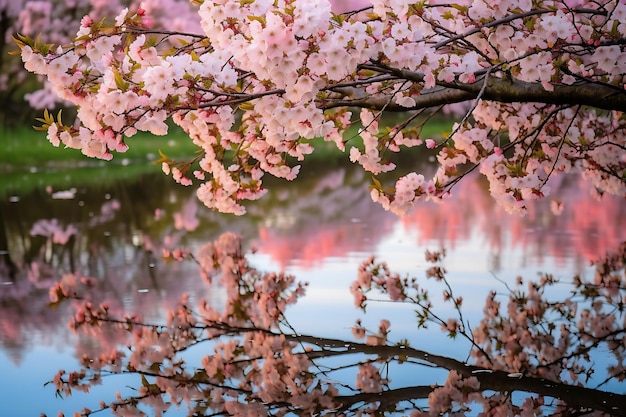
{"type": "Point", "coordinates": [369, 379]}
{"type": "Point", "coordinates": [257, 363]}
{"type": "Point", "coordinates": [453, 395]}
{"type": "Point", "coordinates": [556, 207]}
{"type": "Point", "coordinates": [51, 229]}
{"type": "Point", "coordinates": [328, 215]}
{"type": "Point", "coordinates": [371, 274]}
{"type": "Point", "coordinates": [263, 360]}
{"type": "Point", "coordinates": [531, 336]}
{"type": "Point", "coordinates": [187, 218]}
{"type": "Point", "coordinates": [93, 244]}
{"type": "Point", "coordinates": [108, 210]}
{"type": "Point", "coordinates": [579, 227]}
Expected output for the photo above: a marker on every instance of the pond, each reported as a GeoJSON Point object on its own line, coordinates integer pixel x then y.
{"type": "Point", "coordinates": [319, 228]}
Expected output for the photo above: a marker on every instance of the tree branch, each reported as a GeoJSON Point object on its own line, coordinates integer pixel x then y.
{"type": "Point", "coordinates": [357, 98]}
{"type": "Point", "coordinates": [590, 94]}
{"type": "Point", "coordinates": [507, 91]}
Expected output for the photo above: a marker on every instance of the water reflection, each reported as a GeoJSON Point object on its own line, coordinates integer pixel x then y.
{"type": "Point", "coordinates": [320, 216]}
{"type": "Point", "coordinates": [118, 232]}
{"type": "Point", "coordinates": [571, 224]}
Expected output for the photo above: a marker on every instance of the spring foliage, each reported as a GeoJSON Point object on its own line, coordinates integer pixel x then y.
{"type": "Point", "coordinates": [542, 85]}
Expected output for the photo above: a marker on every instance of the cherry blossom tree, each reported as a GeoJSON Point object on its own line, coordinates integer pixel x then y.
{"type": "Point", "coordinates": [542, 83]}
{"type": "Point", "coordinates": [529, 355]}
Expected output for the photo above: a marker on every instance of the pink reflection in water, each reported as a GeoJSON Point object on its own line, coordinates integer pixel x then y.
{"type": "Point", "coordinates": [583, 227]}
{"type": "Point", "coordinates": [330, 215]}
{"type": "Point", "coordinates": [586, 226]}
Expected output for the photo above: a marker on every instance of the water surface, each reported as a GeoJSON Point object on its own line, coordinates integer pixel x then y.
{"type": "Point", "coordinates": [319, 227]}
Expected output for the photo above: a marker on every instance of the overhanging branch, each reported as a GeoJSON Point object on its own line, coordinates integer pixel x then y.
{"type": "Point", "coordinates": [589, 93]}
{"type": "Point", "coordinates": [355, 97]}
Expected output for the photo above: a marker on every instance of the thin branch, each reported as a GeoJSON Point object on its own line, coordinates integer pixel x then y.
{"type": "Point", "coordinates": [508, 19]}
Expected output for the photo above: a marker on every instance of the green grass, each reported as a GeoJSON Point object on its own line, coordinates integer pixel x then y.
{"type": "Point", "coordinates": [23, 182]}
{"type": "Point", "coordinates": [29, 161]}
{"type": "Point", "coordinates": [23, 148]}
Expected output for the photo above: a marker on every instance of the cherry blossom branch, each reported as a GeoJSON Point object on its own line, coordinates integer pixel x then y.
{"type": "Point", "coordinates": [241, 98]}
{"type": "Point", "coordinates": [169, 33]}
{"type": "Point", "coordinates": [508, 19]}
{"type": "Point", "coordinates": [560, 149]}
{"type": "Point", "coordinates": [394, 58]}
{"type": "Point", "coordinates": [427, 99]}
{"type": "Point", "coordinates": [502, 90]}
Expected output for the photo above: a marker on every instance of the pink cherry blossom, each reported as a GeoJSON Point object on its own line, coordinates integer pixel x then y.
{"type": "Point", "coordinates": [258, 82]}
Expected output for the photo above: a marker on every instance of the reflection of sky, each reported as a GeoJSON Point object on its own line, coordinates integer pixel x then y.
{"type": "Point", "coordinates": [320, 232]}
{"type": "Point", "coordinates": [22, 392]}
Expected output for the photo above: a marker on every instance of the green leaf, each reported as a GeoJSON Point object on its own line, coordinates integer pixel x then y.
{"type": "Point", "coordinates": [260, 19]}
{"type": "Point", "coordinates": [21, 40]}
{"type": "Point", "coordinates": [246, 106]}
{"type": "Point", "coordinates": [119, 80]}
{"type": "Point", "coordinates": [463, 9]}
{"type": "Point", "coordinates": [163, 158]}
{"type": "Point", "coordinates": [46, 121]}
{"type": "Point", "coordinates": [447, 15]}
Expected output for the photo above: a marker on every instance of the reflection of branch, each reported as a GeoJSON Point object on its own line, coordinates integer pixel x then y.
{"type": "Point", "coordinates": [390, 397]}
{"type": "Point", "coordinates": [574, 396]}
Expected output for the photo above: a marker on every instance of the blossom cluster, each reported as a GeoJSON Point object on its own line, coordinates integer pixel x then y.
{"type": "Point", "coordinates": [57, 22]}
{"type": "Point", "coordinates": [265, 78]}
{"type": "Point", "coordinates": [51, 229]}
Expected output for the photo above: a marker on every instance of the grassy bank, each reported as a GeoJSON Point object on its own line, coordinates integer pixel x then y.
{"type": "Point", "coordinates": [15, 183]}
{"type": "Point", "coordinates": [23, 148]}
{"type": "Point", "coordinates": [29, 161]}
